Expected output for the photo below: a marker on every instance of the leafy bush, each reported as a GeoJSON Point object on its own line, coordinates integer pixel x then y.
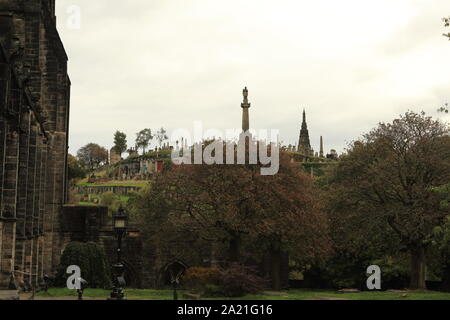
{"type": "Point", "coordinates": [234, 281]}
{"type": "Point", "coordinates": [75, 168]}
{"type": "Point", "coordinates": [238, 280]}
{"type": "Point", "coordinates": [197, 277]}
{"type": "Point", "coordinates": [108, 199]}
{"type": "Point", "coordinates": [340, 271]}
{"type": "Point", "coordinates": [212, 290]}
{"type": "Point", "coordinates": [394, 271]}
{"type": "Point", "coordinates": [343, 271]}
{"type": "Point", "coordinates": [91, 259]}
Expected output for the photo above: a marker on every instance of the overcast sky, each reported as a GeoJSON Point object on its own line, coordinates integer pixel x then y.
{"type": "Point", "coordinates": [351, 63]}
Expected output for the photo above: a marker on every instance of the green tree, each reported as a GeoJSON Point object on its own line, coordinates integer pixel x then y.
{"type": "Point", "coordinates": [442, 241]}
{"type": "Point", "coordinates": [108, 199]}
{"type": "Point", "coordinates": [446, 24]}
{"type": "Point", "coordinates": [91, 259]}
{"type": "Point", "coordinates": [444, 108]}
{"type": "Point", "coordinates": [442, 234]}
{"type": "Point", "coordinates": [386, 183]}
{"type": "Point", "coordinates": [76, 170]}
{"type": "Point", "coordinates": [161, 136]}
{"type": "Point", "coordinates": [143, 139]}
{"type": "Point", "coordinates": [120, 142]}
{"type": "Point", "coordinates": [93, 155]}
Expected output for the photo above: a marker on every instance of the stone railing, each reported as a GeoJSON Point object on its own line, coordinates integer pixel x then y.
{"type": "Point", "coordinates": [118, 190]}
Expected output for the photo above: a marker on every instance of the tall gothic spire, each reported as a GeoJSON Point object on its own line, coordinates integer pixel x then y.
{"type": "Point", "coordinates": [304, 145]}
{"type": "Point", "coordinates": [245, 105]}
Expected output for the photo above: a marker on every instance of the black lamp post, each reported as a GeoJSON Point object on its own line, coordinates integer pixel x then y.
{"type": "Point", "coordinates": [83, 285]}
{"type": "Point", "coordinates": [120, 220]}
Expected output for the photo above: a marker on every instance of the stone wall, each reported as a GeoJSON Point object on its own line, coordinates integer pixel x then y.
{"type": "Point", "coordinates": [91, 224]}
{"type": "Point", "coordinates": [34, 118]}
{"type": "Point", "coordinates": [186, 249]}
{"type": "Point", "coordinates": [147, 257]}
{"type": "Point", "coordinates": [99, 189]}
{"type": "Point", "coordinates": [145, 261]}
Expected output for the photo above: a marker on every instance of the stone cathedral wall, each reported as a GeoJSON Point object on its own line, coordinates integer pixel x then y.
{"type": "Point", "coordinates": [34, 124]}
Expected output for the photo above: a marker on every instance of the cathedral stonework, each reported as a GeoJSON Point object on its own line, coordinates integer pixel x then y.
{"type": "Point", "coordinates": [34, 124]}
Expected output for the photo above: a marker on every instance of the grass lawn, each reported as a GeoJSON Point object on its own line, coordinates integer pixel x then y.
{"type": "Point", "coordinates": [131, 294]}
{"type": "Point", "coordinates": [84, 203]}
{"type": "Point", "coordinates": [298, 294]}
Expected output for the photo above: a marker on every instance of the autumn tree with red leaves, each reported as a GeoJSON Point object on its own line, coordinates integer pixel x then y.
{"type": "Point", "coordinates": [229, 203]}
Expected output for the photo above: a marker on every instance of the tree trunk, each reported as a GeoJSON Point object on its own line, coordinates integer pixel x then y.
{"type": "Point", "coordinates": [446, 279]}
{"type": "Point", "coordinates": [417, 268]}
{"type": "Point", "coordinates": [275, 268]}
{"type": "Point", "coordinates": [234, 250]}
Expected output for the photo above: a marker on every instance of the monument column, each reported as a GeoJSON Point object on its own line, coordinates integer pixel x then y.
{"type": "Point", "coordinates": [245, 116]}
{"type": "Point", "coordinates": [321, 147]}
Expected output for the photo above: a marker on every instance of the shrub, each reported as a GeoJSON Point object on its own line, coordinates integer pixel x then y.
{"type": "Point", "coordinates": [238, 280]}
{"type": "Point", "coordinates": [350, 272]}
{"type": "Point", "coordinates": [212, 291]}
{"type": "Point", "coordinates": [197, 277]}
{"type": "Point", "coordinates": [91, 259]}
{"type": "Point", "coordinates": [73, 197]}
{"type": "Point", "coordinates": [340, 271]}
{"type": "Point", "coordinates": [233, 281]}
{"type": "Point", "coordinates": [395, 271]}
{"type": "Point", "coordinates": [108, 199]}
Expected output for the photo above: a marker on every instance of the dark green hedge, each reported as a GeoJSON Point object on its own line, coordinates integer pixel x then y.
{"type": "Point", "coordinates": [91, 259]}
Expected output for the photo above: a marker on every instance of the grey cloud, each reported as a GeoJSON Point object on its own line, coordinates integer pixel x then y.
{"type": "Point", "coordinates": [140, 63]}
{"type": "Point", "coordinates": [420, 30]}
